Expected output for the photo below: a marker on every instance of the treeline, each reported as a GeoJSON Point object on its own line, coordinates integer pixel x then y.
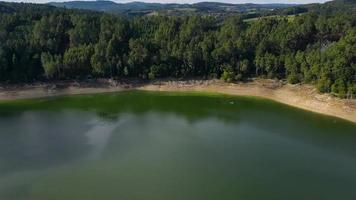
{"type": "Point", "coordinates": [52, 44]}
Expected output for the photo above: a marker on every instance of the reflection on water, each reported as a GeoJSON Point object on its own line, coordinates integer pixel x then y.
{"type": "Point", "coordinates": [99, 135]}
{"type": "Point", "coordinates": [37, 140]}
{"type": "Point", "coordinates": [165, 146]}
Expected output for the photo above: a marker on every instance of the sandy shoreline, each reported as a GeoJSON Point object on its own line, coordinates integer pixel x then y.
{"type": "Point", "coordinates": [301, 96]}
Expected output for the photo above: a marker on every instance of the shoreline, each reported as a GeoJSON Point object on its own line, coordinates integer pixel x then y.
{"type": "Point", "coordinates": [301, 96]}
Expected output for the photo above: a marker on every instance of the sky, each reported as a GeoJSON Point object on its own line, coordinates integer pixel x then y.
{"type": "Point", "coordinates": [189, 1]}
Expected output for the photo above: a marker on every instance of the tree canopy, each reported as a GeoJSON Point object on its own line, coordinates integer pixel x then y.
{"type": "Point", "coordinates": [45, 43]}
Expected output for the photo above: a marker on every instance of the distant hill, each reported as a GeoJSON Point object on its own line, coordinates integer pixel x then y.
{"type": "Point", "coordinates": [335, 6]}
{"type": "Point", "coordinates": [110, 6]}
{"type": "Point", "coordinates": [209, 7]}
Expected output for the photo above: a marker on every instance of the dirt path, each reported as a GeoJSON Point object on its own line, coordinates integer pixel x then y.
{"type": "Point", "coordinates": [301, 96]}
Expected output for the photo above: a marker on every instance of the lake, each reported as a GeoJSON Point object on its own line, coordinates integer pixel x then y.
{"type": "Point", "coordinates": [172, 146]}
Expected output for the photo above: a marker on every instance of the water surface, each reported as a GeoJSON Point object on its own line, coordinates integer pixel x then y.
{"type": "Point", "coordinates": [172, 146]}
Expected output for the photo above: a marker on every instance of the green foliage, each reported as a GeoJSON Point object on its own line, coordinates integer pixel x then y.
{"type": "Point", "coordinates": [228, 74]}
{"type": "Point", "coordinates": [317, 47]}
{"type": "Point", "coordinates": [339, 87]}
{"type": "Point", "coordinates": [137, 59]}
{"type": "Point", "coordinates": [49, 33]}
{"type": "Point", "coordinates": [84, 30]}
{"type": "Point", "coordinates": [292, 69]}
{"type": "Point", "coordinates": [76, 60]}
{"type": "Point", "coordinates": [157, 71]}
{"type": "Point", "coordinates": [3, 64]}
{"type": "Point", "coordinates": [323, 85]}
{"type": "Point", "coordinates": [98, 60]}
{"type": "Point", "coordinates": [51, 64]}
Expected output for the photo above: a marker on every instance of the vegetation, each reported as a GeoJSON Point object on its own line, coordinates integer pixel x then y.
{"type": "Point", "coordinates": [39, 42]}
{"type": "Point", "coordinates": [168, 9]}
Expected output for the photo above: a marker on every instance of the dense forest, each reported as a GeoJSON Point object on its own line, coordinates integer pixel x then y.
{"type": "Point", "coordinates": [39, 42]}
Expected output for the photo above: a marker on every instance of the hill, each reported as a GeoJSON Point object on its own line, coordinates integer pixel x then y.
{"type": "Point", "coordinates": [168, 9]}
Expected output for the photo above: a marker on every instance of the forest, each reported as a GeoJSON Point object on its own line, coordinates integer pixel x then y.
{"type": "Point", "coordinates": [44, 43]}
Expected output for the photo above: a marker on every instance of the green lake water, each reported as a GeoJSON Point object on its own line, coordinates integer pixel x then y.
{"type": "Point", "coordinates": [172, 146]}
